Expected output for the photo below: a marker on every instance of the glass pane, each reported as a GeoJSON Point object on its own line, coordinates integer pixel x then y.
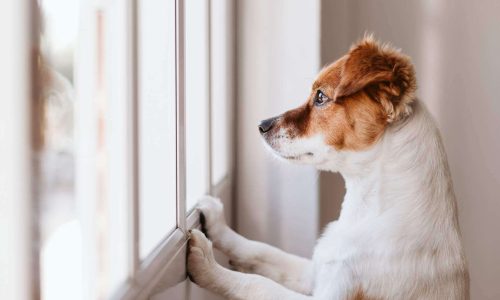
{"type": "Point", "coordinates": [196, 43]}
{"type": "Point", "coordinates": [221, 91]}
{"type": "Point", "coordinates": [60, 230]}
{"type": "Point", "coordinates": [157, 130]}
{"type": "Point", "coordinates": [83, 150]}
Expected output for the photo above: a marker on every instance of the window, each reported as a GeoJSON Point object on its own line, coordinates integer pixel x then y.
{"type": "Point", "coordinates": [131, 127]}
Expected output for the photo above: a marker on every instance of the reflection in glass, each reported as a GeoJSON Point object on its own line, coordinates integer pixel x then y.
{"type": "Point", "coordinates": [60, 230]}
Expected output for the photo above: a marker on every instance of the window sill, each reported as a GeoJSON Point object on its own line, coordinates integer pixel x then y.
{"type": "Point", "coordinates": [165, 267]}
{"type": "Point", "coordinates": [152, 276]}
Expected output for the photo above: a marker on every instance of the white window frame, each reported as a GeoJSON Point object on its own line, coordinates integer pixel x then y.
{"type": "Point", "coordinates": [17, 235]}
{"type": "Point", "coordinates": [165, 266]}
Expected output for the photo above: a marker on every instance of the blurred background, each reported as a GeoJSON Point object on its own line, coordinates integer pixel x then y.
{"type": "Point", "coordinates": [118, 115]}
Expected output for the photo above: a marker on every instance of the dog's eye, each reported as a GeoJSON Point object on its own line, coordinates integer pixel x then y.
{"type": "Point", "coordinates": [320, 98]}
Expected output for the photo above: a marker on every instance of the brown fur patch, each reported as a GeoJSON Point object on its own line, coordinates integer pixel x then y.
{"type": "Point", "coordinates": [370, 87]}
{"type": "Point", "coordinates": [354, 124]}
{"type": "Point", "coordinates": [359, 295]}
{"type": "Point", "coordinates": [386, 72]}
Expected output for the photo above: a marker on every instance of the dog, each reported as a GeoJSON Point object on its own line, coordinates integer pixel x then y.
{"type": "Point", "coordinates": [397, 236]}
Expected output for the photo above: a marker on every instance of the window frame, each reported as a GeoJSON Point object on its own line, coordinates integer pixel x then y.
{"type": "Point", "coordinates": [18, 237]}
{"type": "Point", "coordinates": [165, 266]}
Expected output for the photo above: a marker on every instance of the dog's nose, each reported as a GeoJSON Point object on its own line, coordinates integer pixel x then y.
{"type": "Point", "coordinates": [266, 125]}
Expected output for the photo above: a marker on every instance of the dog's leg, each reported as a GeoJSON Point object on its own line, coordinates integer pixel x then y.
{"type": "Point", "coordinates": [254, 257]}
{"type": "Point", "coordinates": [207, 273]}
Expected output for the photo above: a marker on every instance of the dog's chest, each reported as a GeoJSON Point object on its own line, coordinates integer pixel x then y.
{"type": "Point", "coordinates": [333, 256]}
{"type": "Point", "coordinates": [346, 242]}
{"type": "Point", "coordinates": [334, 246]}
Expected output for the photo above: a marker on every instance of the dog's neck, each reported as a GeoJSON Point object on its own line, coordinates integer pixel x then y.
{"type": "Point", "coordinates": [405, 174]}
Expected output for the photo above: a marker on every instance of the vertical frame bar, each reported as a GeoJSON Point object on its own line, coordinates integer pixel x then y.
{"type": "Point", "coordinates": [16, 196]}
{"type": "Point", "coordinates": [133, 146]}
{"type": "Point", "coordinates": [180, 115]}
{"type": "Point", "coordinates": [232, 31]}
{"type": "Point", "coordinates": [209, 96]}
{"type": "Point", "coordinates": [37, 114]}
{"type": "Point", "coordinates": [86, 137]}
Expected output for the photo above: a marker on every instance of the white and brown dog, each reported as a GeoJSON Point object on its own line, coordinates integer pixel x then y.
{"type": "Point", "coordinates": [397, 236]}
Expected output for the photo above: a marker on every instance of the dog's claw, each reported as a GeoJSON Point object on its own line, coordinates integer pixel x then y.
{"type": "Point", "coordinates": [203, 222]}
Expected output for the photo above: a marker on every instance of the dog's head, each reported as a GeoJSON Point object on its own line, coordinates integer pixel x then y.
{"type": "Point", "coordinates": [351, 103]}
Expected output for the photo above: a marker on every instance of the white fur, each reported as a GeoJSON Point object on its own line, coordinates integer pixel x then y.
{"type": "Point", "coordinates": [306, 150]}
{"type": "Point", "coordinates": [397, 236]}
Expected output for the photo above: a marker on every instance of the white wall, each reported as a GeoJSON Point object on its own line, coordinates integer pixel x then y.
{"type": "Point", "coordinates": [455, 46]}
{"type": "Point", "coordinates": [277, 60]}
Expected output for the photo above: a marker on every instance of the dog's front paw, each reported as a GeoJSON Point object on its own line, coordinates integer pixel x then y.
{"type": "Point", "coordinates": [211, 217]}
{"type": "Point", "coordinates": [201, 264]}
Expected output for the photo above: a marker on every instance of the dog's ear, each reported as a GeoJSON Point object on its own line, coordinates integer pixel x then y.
{"type": "Point", "coordinates": [383, 72]}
